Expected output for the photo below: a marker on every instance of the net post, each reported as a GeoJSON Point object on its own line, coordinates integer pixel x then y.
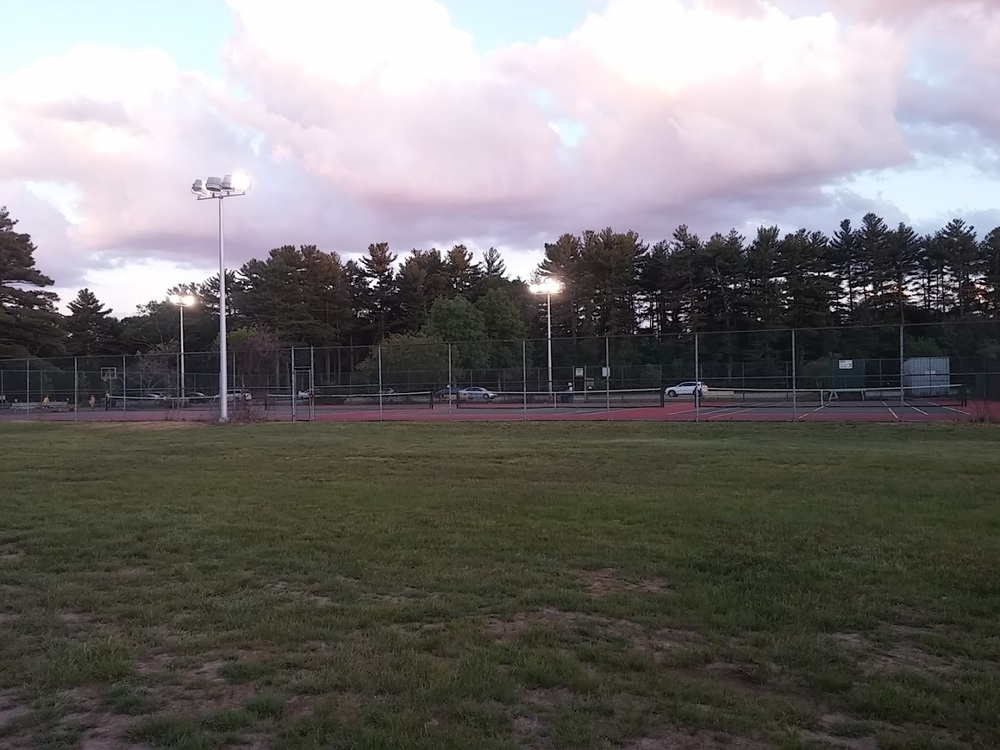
{"type": "Point", "coordinates": [607, 380]}
{"type": "Point", "coordinates": [524, 375]}
{"type": "Point", "coordinates": [795, 396]}
{"type": "Point", "coordinates": [902, 353]}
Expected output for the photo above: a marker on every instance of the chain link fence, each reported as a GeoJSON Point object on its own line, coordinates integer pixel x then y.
{"type": "Point", "coordinates": [402, 378]}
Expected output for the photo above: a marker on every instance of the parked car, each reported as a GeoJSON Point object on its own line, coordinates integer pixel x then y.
{"type": "Point", "coordinates": [475, 393]}
{"type": "Point", "coordinates": [197, 397]}
{"type": "Point", "coordinates": [448, 392]}
{"type": "Point", "coordinates": [687, 388]}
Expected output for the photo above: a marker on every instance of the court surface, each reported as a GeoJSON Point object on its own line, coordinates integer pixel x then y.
{"type": "Point", "coordinates": [672, 411]}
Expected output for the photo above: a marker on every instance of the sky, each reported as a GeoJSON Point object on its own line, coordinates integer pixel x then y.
{"type": "Point", "coordinates": [428, 123]}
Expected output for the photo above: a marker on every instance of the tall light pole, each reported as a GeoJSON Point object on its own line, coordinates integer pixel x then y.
{"type": "Point", "coordinates": [548, 287]}
{"type": "Point", "coordinates": [214, 188]}
{"type": "Point", "coordinates": [182, 301]}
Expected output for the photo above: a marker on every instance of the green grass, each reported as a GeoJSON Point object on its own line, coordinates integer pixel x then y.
{"type": "Point", "coordinates": [500, 586]}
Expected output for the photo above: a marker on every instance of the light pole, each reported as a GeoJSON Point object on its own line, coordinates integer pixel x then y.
{"type": "Point", "coordinates": [182, 301]}
{"type": "Point", "coordinates": [548, 287]}
{"type": "Point", "coordinates": [214, 188]}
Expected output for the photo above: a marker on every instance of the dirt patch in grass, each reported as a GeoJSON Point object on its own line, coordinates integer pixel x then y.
{"type": "Point", "coordinates": [831, 734]}
{"type": "Point", "coordinates": [641, 638]}
{"type": "Point", "coordinates": [902, 656]}
{"type": "Point", "coordinates": [528, 730]}
{"type": "Point", "coordinates": [674, 738]}
{"type": "Point", "coordinates": [741, 677]}
{"type": "Point", "coordinates": [75, 620]}
{"type": "Point", "coordinates": [106, 732]}
{"type": "Point", "coordinates": [549, 697]}
{"type": "Point", "coordinates": [11, 707]}
{"type": "Point", "coordinates": [184, 687]}
{"type": "Point", "coordinates": [10, 552]}
{"type": "Point", "coordinates": [291, 591]}
{"type": "Point", "coordinates": [910, 657]}
{"type": "Point", "coordinates": [603, 581]}
{"type": "Point", "coordinates": [406, 596]}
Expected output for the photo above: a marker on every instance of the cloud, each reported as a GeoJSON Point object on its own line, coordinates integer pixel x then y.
{"type": "Point", "coordinates": [905, 11]}
{"type": "Point", "coordinates": [674, 102]}
{"type": "Point", "coordinates": [373, 121]}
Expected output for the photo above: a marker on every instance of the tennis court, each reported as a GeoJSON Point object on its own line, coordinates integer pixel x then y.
{"type": "Point", "coordinates": [942, 403]}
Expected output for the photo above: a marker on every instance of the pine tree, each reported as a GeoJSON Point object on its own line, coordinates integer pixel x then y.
{"type": "Point", "coordinates": [493, 264]}
{"type": "Point", "coordinates": [378, 308]}
{"type": "Point", "coordinates": [29, 323]}
{"type": "Point", "coordinates": [91, 328]}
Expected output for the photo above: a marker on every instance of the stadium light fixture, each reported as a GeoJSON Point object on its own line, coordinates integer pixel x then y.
{"type": "Point", "coordinates": [218, 188]}
{"type": "Point", "coordinates": [182, 301]}
{"type": "Point", "coordinates": [548, 287]}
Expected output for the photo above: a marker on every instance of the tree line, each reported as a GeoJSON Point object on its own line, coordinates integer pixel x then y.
{"type": "Point", "coordinates": [615, 284]}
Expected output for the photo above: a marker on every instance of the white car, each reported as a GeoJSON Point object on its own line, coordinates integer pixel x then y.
{"type": "Point", "coordinates": [687, 388]}
{"type": "Point", "coordinates": [475, 393]}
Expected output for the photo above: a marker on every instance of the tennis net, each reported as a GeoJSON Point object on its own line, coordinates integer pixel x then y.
{"type": "Point", "coordinates": [637, 398]}
{"type": "Point", "coordinates": [387, 399]}
{"type": "Point", "coordinates": [953, 395]}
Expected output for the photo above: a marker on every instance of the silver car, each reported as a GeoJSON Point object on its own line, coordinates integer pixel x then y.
{"type": "Point", "coordinates": [687, 388]}
{"type": "Point", "coordinates": [475, 393]}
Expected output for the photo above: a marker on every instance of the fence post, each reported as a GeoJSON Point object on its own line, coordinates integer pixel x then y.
{"type": "Point", "coordinates": [524, 375]}
{"type": "Point", "coordinates": [27, 388]}
{"type": "Point", "coordinates": [312, 383]}
{"type": "Point", "coordinates": [124, 389]}
{"type": "Point", "coordinates": [76, 387]}
{"type": "Point", "coordinates": [379, 383]}
{"type": "Point", "coordinates": [451, 382]}
{"type": "Point", "coordinates": [607, 378]}
{"type": "Point", "coordinates": [291, 385]}
{"type": "Point", "coordinates": [795, 405]}
{"type": "Point", "coordinates": [697, 390]}
{"type": "Point", "coordinates": [902, 353]}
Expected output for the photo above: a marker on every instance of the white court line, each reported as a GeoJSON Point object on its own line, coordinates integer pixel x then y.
{"type": "Point", "coordinates": [918, 410]}
{"type": "Point", "coordinates": [730, 411]}
{"type": "Point", "coordinates": [894, 414]}
{"type": "Point", "coordinates": [957, 411]}
{"type": "Point", "coordinates": [812, 412]}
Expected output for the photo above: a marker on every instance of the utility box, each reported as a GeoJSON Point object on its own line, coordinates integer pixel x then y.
{"type": "Point", "coordinates": [927, 376]}
{"type": "Point", "coordinates": [846, 374]}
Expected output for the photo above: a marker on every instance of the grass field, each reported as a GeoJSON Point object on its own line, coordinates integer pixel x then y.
{"type": "Point", "coordinates": [499, 586]}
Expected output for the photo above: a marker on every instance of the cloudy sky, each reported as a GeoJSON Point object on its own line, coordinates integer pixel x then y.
{"type": "Point", "coordinates": [490, 122]}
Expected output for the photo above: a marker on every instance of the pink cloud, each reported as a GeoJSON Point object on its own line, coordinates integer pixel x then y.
{"type": "Point", "coordinates": [907, 10]}
{"type": "Point", "coordinates": [358, 131]}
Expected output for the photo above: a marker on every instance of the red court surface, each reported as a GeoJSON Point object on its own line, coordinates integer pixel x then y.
{"type": "Point", "coordinates": [681, 411]}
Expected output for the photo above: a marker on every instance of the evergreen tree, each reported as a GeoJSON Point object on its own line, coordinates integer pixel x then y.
{"type": "Point", "coordinates": [379, 308]}
{"type": "Point", "coordinates": [29, 323]}
{"type": "Point", "coordinates": [91, 327]}
{"type": "Point", "coordinates": [493, 264]}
